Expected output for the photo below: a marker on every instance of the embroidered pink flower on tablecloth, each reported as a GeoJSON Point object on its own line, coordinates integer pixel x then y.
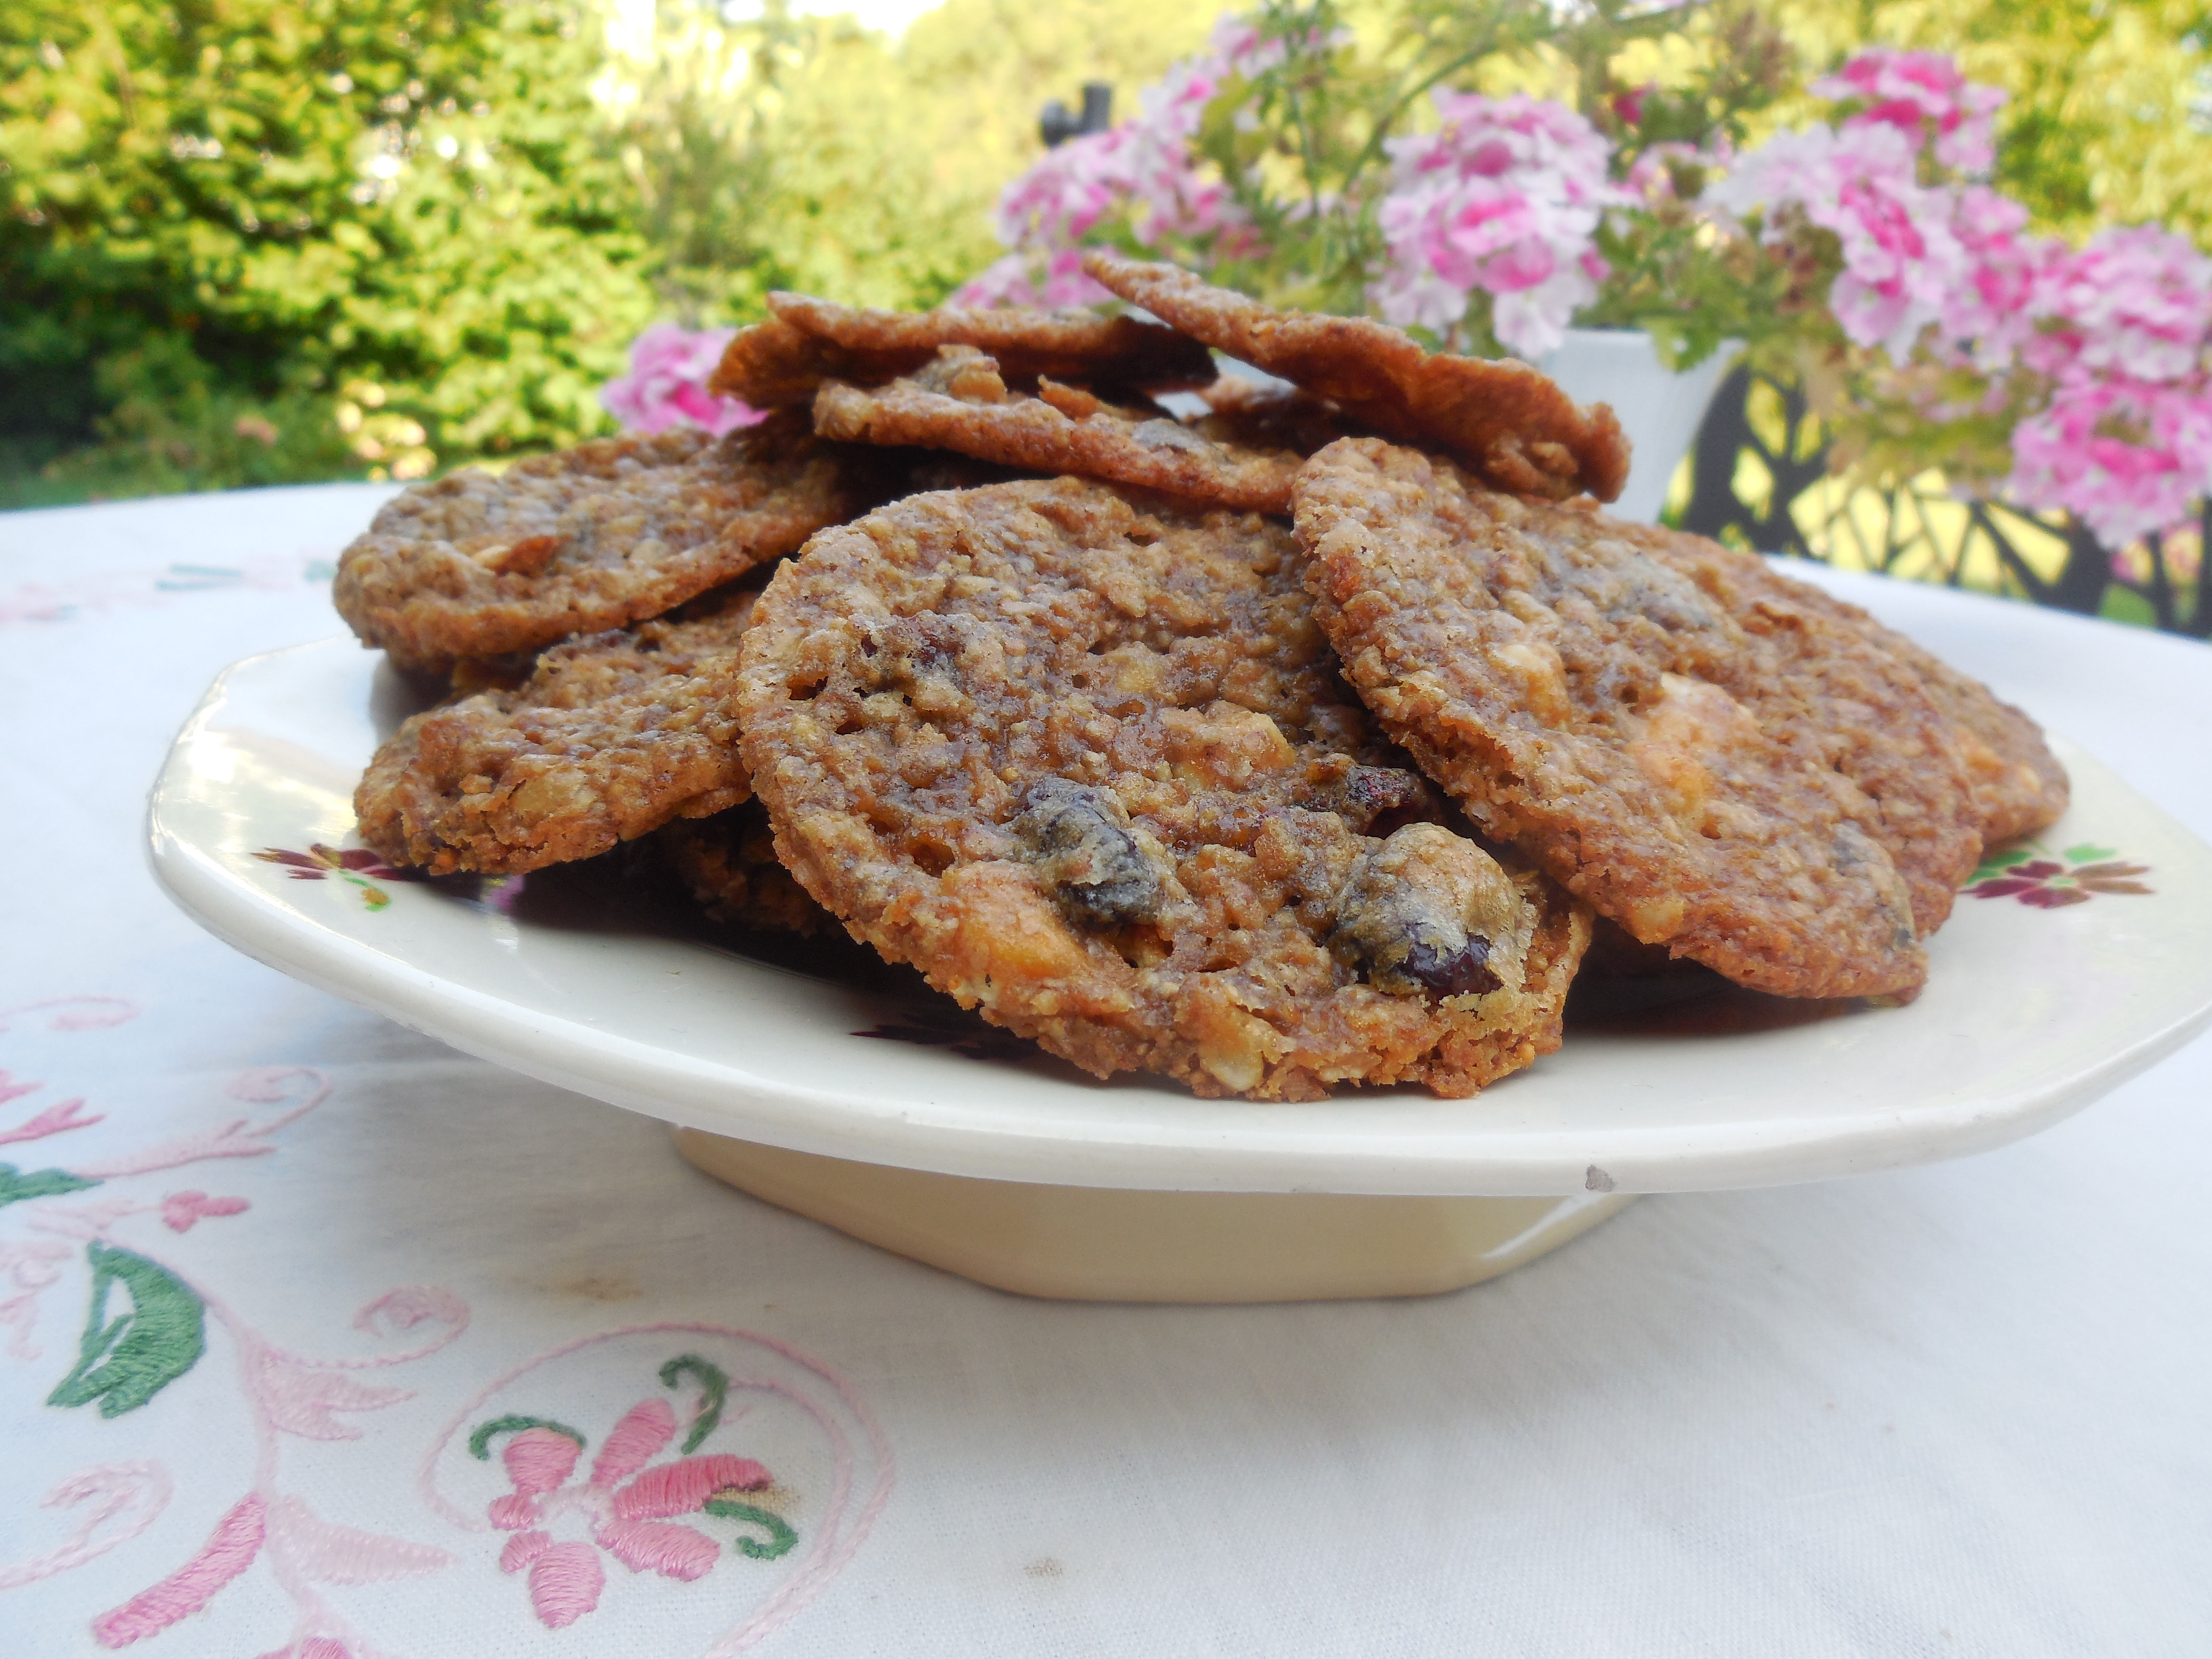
{"type": "Point", "coordinates": [626, 1504]}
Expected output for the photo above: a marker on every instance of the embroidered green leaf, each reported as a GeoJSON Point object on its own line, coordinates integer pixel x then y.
{"type": "Point", "coordinates": [2089, 852]}
{"type": "Point", "coordinates": [480, 1442]}
{"type": "Point", "coordinates": [780, 1537]}
{"type": "Point", "coordinates": [125, 1362]}
{"type": "Point", "coordinates": [16, 1185]}
{"type": "Point", "coordinates": [714, 1394]}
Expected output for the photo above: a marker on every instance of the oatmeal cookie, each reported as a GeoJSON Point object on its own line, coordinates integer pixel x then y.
{"type": "Point", "coordinates": [961, 402]}
{"type": "Point", "coordinates": [2019, 785]}
{"type": "Point", "coordinates": [729, 863]}
{"type": "Point", "coordinates": [1752, 784]}
{"type": "Point", "coordinates": [1875, 719]}
{"type": "Point", "coordinates": [595, 536]}
{"type": "Point", "coordinates": [784, 360]}
{"type": "Point", "coordinates": [1242, 411]}
{"type": "Point", "coordinates": [1087, 764]}
{"type": "Point", "coordinates": [1511, 424]}
{"type": "Point", "coordinates": [613, 735]}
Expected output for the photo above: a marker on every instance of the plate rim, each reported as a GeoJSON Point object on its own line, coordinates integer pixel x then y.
{"type": "Point", "coordinates": [651, 1078]}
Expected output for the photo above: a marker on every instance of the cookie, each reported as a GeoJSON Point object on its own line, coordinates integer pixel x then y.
{"type": "Point", "coordinates": [1083, 758]}
{"type": "Point", "coordinates": [1272, 416]}
{"type": "Point", "coordinates": [728, 862]}
{"type": "Point", "coordinates": [613, 735]}
{"type": "Point", "coordinates": [2019, 785]}
{"type": "Point", "coordinates": [596, 536]}
{"type": "Point", "coordinates": [960, 401]}
{"type": "Point", "coordinates": [784, 360]}
{"type": "Point", "coordinates": [1686, 750]}
{"type": "Point", "coordinates": [1873, 716]}
{"type": "Point", "coordinates": [1515, 428]}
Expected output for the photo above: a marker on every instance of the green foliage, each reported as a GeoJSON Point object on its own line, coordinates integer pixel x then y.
{"type": "Point", "coordinates": [216, 215]}
{"type": "Point", "coordinates": [2109, 121]}
{"type": "Point", "coordinates": [1303, 148]}
{"type": "Point", "coordinates": [756, 168]}
{"type": "Point", "coordinates": [252, 242]}
{"type": "Point", "coordinates": [975, 74]}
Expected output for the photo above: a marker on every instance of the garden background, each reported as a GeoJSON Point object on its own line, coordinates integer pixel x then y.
{"type": "Point", "coordinates": [263, 242]}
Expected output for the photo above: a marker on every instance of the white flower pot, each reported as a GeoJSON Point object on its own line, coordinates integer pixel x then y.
{"type": "Point", "coordinates": [1659, 409]}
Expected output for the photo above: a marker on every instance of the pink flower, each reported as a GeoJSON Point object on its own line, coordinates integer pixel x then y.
{"type": "Point", "coordinates": [1503, 197]}
{"type": "Point", "coordinates": [1068, 190]}
{"type": "Point", "coordinates": [624, 1504]}
{"type": "Point", "coordinates": [2126, 459]}
{"type": "Point", "coordinates": [666, 385]}
{"type": "Point", "coordinates": [1996, 314]}
{"type": "Point", "coordinates": [1923, 95]}
{"type": "Point", "coordinates": [1029, 279]}
{"type": "Point", "coordinates": [2136, 303]}
{"type": "Point", "coordinates": [1144, 169]}
{"type": "Point", "coordinates": [1903, 263]}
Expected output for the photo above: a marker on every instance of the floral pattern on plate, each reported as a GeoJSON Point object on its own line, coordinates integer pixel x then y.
{"type": "Point", "coordinates": [2029, 873]}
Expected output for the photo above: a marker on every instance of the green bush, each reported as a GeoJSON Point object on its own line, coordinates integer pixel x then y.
{"type": "Point", "coordinates": [243, 240]}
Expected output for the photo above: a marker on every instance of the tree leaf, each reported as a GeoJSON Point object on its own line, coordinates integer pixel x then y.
{"type": "Point", "coordinates": [125, 1362]}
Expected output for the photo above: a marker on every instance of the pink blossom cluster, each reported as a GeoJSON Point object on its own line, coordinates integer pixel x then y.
{"type": "Point", "coordinates": [1146, 166]}
{"type": "Point", "coordinates": [1924, 95]}
{"type": "Point", "coordinates": [1902, 259]}
{"type": "Point", "coordinates": [666, 385]}
{"type": "Point", "coordinates": [2107, 346]}
{"type": "Point", "coordinates": [2123, 334]}
{"type": "Point", "coordinates": [1504, 197]}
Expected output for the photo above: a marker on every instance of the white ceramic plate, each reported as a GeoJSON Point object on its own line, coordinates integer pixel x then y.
{"type": "Point", "coordinates": [2031, 1011]}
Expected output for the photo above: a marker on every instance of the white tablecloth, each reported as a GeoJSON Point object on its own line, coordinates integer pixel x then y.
{"type": "Point", "coordinates": [1957, 1410]}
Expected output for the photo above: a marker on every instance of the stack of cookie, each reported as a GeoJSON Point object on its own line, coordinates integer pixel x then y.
{"type": "Point", "coordinates": [1290, 743]}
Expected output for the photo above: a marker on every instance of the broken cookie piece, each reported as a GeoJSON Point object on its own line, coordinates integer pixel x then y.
{"type": "Point", "coordinates": [805, 342]}
{"type": "Point", "coordinates": [1504, 421]}
{"type": "Point", "coordinates": [960, 401]}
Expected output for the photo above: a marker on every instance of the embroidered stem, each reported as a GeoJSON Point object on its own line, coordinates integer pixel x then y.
{"type": "Point", "coordinates": [51, 1122]}
{"type": "Point", "coordinates": [78, 1013]}
{"type": "Point", "coordinates": [238, 1138]}
{"type": "Point", "coordinates": [780, 1537]}
{"type": "Point", "coordinates": [137, 1492]}
{"type": "Point", "coordinates": [713, 1393]}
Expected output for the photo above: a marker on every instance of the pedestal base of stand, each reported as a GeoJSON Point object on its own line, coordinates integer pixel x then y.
{"type": "Point", "coordinates": [1106, 1244]}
